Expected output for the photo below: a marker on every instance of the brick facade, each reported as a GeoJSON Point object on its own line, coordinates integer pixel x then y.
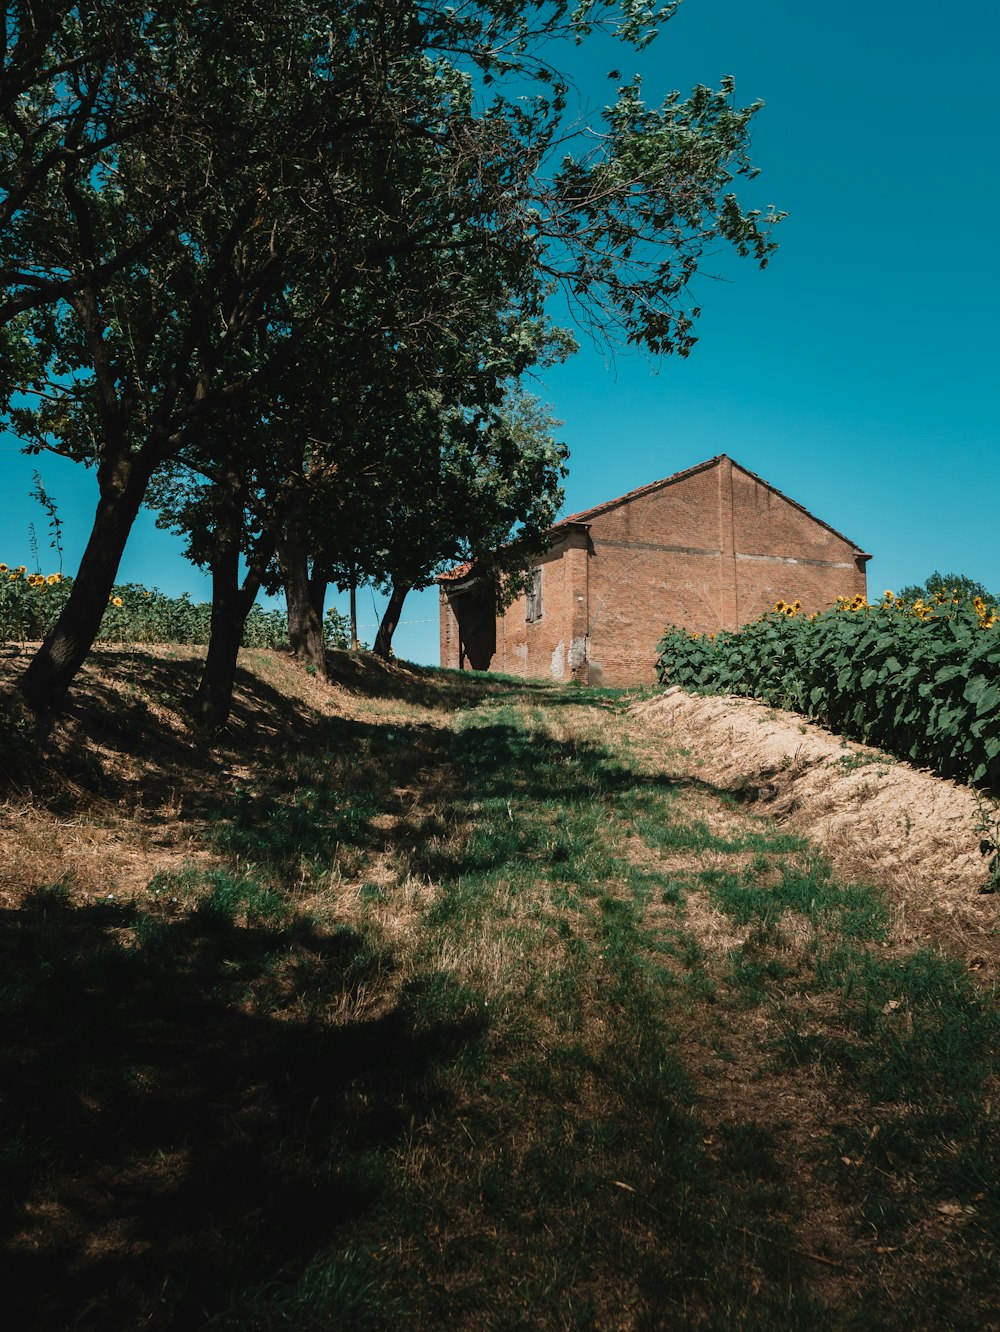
{"type": "Point", "coordinates": [709, 548]}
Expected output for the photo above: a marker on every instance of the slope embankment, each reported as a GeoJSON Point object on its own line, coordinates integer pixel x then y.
{"type": "Point", "coordinates": [876, 817]}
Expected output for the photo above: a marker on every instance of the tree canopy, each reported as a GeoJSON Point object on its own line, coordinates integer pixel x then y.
{"type": "Point", "coordinates": [372, 201]}
{"type": "Point", "coordinates": [947, 587]}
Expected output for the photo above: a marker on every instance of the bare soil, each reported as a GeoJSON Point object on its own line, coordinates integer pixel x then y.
{"type": "Point", "coordinates": [877, 818]}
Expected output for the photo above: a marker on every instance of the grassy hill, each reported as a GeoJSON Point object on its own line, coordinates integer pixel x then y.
{"type": "Point", "coordinates": [422, 1000]}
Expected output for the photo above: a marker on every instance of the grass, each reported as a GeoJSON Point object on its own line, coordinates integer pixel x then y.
{"type": "Point", "coordinates": [766, 891]}
{"type": "Point", "coordinates": [453, 1006]}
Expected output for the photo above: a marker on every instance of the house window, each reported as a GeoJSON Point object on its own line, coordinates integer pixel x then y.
{"type": "Point", "coordinates": [533, 597]}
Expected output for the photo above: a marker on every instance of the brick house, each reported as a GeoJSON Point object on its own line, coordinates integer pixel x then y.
{"type": "Point", "coordinates": [709, 548]}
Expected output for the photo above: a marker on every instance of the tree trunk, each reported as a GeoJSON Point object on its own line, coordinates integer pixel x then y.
{"type": "Point", "coordinates": [354, 618]}
{"type": "Point", "coordinates": [305, 622]}
{"type": "Point", "coordinates": [318, 583]}
{"type": "Point", "coordinates": [383, 642]}
{"type": "Point", "coordinates": [230, 607]}
{"type": "Point", "coordinates": [66, 646]}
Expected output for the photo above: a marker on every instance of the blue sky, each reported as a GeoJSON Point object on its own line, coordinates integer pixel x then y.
{"type": "Point", "coordinates": [857, 374]}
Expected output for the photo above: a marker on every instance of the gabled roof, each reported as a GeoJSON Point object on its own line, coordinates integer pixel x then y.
{"type": "Point", "coordinates": [585, 516]}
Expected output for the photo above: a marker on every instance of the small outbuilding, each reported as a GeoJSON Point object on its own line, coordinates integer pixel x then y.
{"type": "Point", "coordinates": [709, 548]}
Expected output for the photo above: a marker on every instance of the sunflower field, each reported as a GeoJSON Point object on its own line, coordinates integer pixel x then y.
{"type": "Point", "coordinates": [920, 679]}
{"type": "Point", "coordinates": [31, 602]}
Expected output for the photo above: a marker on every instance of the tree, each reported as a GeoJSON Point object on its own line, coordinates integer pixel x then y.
{"type": "Point", "coordinates": [75, 83]}
{"type": "Point", "coordinates": [374, 426]}
{"type": "Point", "coordinates": [298, 481]}
{"type": "Point", "coordinates": [438, 463]}
{"type": "Point", "coordinates": [242, 178]}
{"type": "Point", "coordinates": [222, 509]}
{"type": "Point", "coordinates": [496, 492]}
{"type": "Point", "coordinates": [242, 124]}
{"type": "Point", "coordinates": [947, 587]}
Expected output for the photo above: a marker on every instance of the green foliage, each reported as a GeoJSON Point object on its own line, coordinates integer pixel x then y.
{"type": "Point", "coordinates": [948, 585]}
{"type": "Point", "coordinates": [263, 252]}
{"type": "Point", "coordinates": [30, 604]}
{"type": "Point", "coordinates": [232, 897]}
{"type": "Point", "coordinates": [504, 1077]}
{"type": "Point", "coordinates": [343, 1290]}
{"type": "Point", "coordinates": [336, 630]}
{"type": "Point", "coordinates": [808, 889]}
{"type": "Point", "coordinates": [939, 1047]}
{"type": "Point", "coordinates": [923, 684]}
{"type": "Point", "coordinates": [23, 602]}
{"type": "Point", "coordinates": [988, 827]}
{"type": "Point", "coordinates": [48, 503]}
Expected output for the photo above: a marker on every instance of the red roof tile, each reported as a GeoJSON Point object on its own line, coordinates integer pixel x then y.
{"type": "Point", "coordinates": [459, 571]}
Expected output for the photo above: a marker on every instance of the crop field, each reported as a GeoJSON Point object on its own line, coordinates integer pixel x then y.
{"type": "Point", "coordinates": [30, 603]}
{"type": "Point", "coordinates": [428, 1000]}
{"type": "Point", "coordinates": [919, 679]}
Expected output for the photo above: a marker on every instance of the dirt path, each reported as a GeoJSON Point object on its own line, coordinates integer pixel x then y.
{"type": "Point", "coordinates": [877, 818]}
{"type": "Point", "coordinates": [824, 1144]}
{"type": "Point", "coordinates": [523, 989]}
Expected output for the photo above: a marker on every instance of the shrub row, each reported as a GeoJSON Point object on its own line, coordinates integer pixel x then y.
{"type": "Point", "coordinates": [30, 604]}
{"type": "Point", "coordinates": [921, 681]}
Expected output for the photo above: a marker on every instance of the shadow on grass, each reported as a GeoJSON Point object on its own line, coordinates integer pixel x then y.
{"type": "Point", "coordinates": [173, 1127]}
{"type": "Point", "coordinates": [331, 795]}
{"type": "Point", "coordinates": [182, 1118]}
{"type": "Point", "coordinates": [316, 788]}
{"type": "Point", "coordinates": [112, 740]}
{"type": "Point", "coordinates": [441, 688]}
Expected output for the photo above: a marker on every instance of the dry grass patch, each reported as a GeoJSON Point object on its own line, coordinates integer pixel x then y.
{"type": "Point", "coordinates": [877, 818]}
{"type": "Point", "coordinates": [468, 1002]}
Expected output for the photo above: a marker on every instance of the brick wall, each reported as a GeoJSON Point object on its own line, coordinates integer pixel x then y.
{"type": "Point", "coordinates": [784, 554]}
{"type": "Point", "coordinates": [709, 549]}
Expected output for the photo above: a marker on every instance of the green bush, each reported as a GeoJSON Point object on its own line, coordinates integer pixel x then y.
{"type": "Point", "coordinates": [921, 680]}
{"type": "Point", "coordinates": [31, 603]}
